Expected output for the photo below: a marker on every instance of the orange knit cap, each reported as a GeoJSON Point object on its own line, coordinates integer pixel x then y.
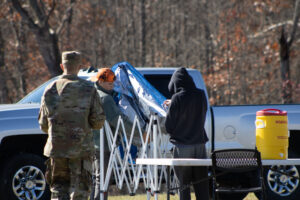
{"type": "Point", "coordinates": [104, 74]}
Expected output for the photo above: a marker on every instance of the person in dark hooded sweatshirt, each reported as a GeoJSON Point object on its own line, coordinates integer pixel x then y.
{"type": "Point", "coordinates": [185, 124]}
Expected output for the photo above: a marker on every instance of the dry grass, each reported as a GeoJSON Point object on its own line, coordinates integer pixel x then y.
{"type": "Point", "coordinates": [162, 196]}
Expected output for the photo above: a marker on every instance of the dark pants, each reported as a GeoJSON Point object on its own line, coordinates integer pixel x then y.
{"type": "Point", "coordinates": [194, 175]}
{"type": "Point", "coordinates": [95, 194]}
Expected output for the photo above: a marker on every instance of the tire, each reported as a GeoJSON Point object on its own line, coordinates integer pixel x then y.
{"type": "Point", "coordinates": [281, 187]}
{"type": "Point", "coordinates": [23, 178]}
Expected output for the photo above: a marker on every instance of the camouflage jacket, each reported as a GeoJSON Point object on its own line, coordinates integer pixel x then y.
{"type": "Point", "coordinates": [70, 108]}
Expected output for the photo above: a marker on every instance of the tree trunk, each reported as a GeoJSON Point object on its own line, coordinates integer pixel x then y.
{"type": "Point", "coordinates": [2, 51]}
{"type": "Point", "coordinates": [3, 86]}
{"type": "Point", "coordinates": [285, 45]}
{"type": "Point", "coordinates": [48, 46]}
{"type": "Point", "coordinates": [143, 33]}
{"type": "Point", "coordinates": [19, 80]}
{"type": "Point", "coordinates": [46, 37]}
{"type": "Point", "coordinates": [285, 68]}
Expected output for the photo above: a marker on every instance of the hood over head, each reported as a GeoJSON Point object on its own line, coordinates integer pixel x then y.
{"type": "Point", "coordinates": [181, 81]}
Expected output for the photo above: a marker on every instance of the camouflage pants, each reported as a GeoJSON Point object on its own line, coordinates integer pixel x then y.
{"type": "Point", "coordinates": [70, 178]}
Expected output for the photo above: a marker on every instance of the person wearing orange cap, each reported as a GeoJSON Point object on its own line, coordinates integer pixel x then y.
{"type": "Point", "coordinates": [104, 83]}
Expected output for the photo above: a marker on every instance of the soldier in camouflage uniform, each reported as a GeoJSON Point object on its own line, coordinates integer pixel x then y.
{"type": "Point", "coordinates": [70, 108]}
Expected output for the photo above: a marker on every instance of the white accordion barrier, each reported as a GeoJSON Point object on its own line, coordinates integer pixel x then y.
{"type": "Point", "coordinates": [123, 168]}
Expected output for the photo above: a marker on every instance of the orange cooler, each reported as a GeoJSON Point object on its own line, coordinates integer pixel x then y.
{"type": "Point", "coordinates": [272, 136]}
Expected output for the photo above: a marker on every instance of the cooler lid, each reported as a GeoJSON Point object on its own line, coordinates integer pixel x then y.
{"type": "Point", "coordinates": [271, 111]}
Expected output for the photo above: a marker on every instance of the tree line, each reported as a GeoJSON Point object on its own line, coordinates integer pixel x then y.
{"type": "Point", "coordinates": [247, 51]}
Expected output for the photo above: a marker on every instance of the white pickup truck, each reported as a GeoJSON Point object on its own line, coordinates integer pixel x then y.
{"type": "Point", "coordinates": [22, 141]}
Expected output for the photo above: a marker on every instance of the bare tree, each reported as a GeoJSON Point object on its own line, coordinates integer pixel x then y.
{"type": "Point", "coordinates": [19, 78]}
{"type": "Point", "coordinates": [3, 88]}
{"type": "Point", "coordinates": [143, 33]}
{"type": "Point", "coordinates": [37, 18]}
{"type": "Point", "coordinates": [231, 42]}
{"type": "Point", "coordinates": [285, 45]}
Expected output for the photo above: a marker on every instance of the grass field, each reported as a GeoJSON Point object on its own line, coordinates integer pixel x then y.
{"type": "Point", "coordinates": [116, 194]}
{"type": "Point", "coordinates": [163, 196]}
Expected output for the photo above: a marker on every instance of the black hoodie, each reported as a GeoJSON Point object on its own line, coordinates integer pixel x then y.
{"type": "Point", "coordinates": [186, 115]}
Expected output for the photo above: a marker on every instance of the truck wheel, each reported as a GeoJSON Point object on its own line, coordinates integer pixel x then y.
{"type": "Point", "coordinates": [280, 186]}
{"type": "Point", "coordinates": [23, 178]}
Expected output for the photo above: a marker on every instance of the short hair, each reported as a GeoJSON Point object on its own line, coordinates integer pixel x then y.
{"type": "Point", "coordinates": [71, 59]}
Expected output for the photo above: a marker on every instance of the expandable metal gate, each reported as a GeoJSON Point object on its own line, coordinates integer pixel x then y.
{"type": "Point", "coordinates": [124, 169]}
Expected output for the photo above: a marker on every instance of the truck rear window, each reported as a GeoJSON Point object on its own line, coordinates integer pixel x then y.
{"type": "Point", "coordinates": [160, 82]}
